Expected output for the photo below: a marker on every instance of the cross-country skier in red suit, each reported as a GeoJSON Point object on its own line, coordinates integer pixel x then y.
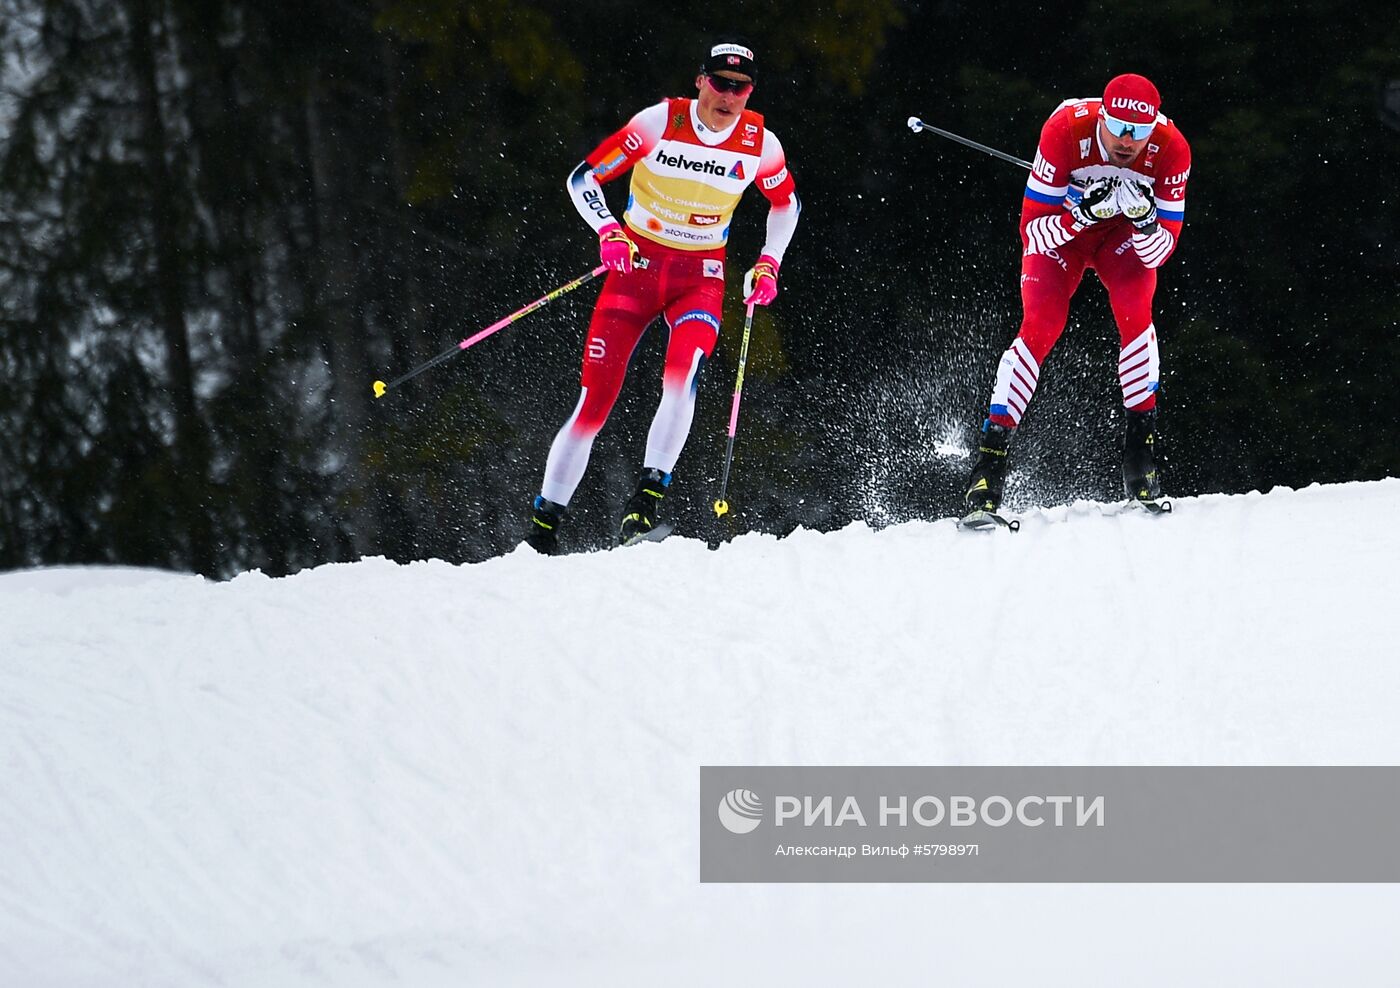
{"type": "Point", "coordinates": [691, 160]}
{"type": "Point", "coordinates": [1107, 191]}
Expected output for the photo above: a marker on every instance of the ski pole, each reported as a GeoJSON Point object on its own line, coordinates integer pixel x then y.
{"type": "Point", "coordinates": [721, 505]}
{"type": "Point", "coordinates": [380, 387]}
{"type": "Point", "coordinates": [917, 126]}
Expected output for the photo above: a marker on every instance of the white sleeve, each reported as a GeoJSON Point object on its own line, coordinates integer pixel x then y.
{"type": "Point", "coordinates": [782, 224]}
{"type": "Point", "coordinates": [1154, 248]}
{"type": "Point", "coordinates": [782, 213]}
{"type": "Point", "coordinates": [610, 160]}
{"type": "Point", "coordinates": [587, 196]}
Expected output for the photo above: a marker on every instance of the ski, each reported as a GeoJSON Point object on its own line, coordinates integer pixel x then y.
{"type": "Point", "coordinates": [655, 534]}
{"type": "Point", "coordinates": [1153, 506]}
{"type": "Point", "coordinates": [980, 521]}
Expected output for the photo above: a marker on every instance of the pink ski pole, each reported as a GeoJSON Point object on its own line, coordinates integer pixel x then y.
{"type": "Point", "coordinates": [380, 388]}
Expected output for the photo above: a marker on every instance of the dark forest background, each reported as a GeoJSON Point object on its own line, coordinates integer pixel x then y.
{"type": "Point", "coordinates": [220, 222]}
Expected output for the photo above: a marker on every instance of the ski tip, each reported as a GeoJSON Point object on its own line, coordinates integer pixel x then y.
{"type": "Point", "coordinates": [1158, 507]}
{"type": "Point", "coordinates": [379, 388]}
{"type": "Point", "coordinates": [981, 521]}
{"type": "Point", "coordinates": [656, 534]}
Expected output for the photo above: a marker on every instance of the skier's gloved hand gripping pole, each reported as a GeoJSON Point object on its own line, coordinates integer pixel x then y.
{"type": "Point", "coordinates": [918, 126]}
{"type": "Point", "coordinates": [380, 388]}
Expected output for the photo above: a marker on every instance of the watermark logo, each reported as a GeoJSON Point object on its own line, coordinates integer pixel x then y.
{"type": "Point", "coordinates": [741, 811]}
{"type": "Point", "coordinates": [853, 823]}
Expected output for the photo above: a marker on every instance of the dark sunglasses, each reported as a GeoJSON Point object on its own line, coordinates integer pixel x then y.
{"type": "Point", "coordinates": [724, 84]}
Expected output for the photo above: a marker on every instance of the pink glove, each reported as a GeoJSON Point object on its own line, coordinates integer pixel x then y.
{"type": "Point", "coordinates": [761, 283]}
{"type": "Point", "coordinates": [618, 252]}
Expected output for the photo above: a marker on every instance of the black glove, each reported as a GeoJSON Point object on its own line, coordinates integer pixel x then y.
{"type": "Point", "coordinates": [1099, 202]}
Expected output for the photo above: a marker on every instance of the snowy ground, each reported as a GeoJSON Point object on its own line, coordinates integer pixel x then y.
{"type": "Point", "coordinates": [373, 774]}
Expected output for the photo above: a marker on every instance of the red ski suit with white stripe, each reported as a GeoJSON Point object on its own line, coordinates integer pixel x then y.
{"type": "Point", "coordinates": [686, 181]}
{"type": "Point", "coordinates": [1056, 251]}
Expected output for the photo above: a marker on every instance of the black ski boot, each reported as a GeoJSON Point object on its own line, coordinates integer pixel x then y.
{"type": "Point", "coordinates": [1141, 480]}
{"type": "Point", "coordinates": [641, 516]}
{"type": "Point", "coordinates": [984, 486]}
{"type": "Point", "coordinates": [545, 519]}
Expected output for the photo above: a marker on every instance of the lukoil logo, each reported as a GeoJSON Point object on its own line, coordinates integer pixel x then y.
{"type": "Point", "coordinates": [741, 811]}
{"type": "Point", "coordinates": [1141, 106]}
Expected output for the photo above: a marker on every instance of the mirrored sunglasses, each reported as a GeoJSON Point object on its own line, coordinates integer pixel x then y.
{"type": "Point", "coordinates": [724, 84]}
{"type": "Point", "coordinates": [1126, 128]}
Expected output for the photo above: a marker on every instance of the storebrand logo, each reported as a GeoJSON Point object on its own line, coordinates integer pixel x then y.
{"type": "Point", "coordinates": [705, 165]}
{"type": "Point", "coordinates": [731, 50]}
{"type": "Point", "coordinates": [699, 315]}
{"type": "Point", "coordinates": [681, 233]}
{"type": "Point", "coordinates": [1141, 106]}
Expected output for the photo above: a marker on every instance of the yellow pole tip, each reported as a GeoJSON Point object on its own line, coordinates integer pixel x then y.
{"type": "Point", "coordinates": [379, 389]}
{"type": "Point", "coordinates": [721, 508]}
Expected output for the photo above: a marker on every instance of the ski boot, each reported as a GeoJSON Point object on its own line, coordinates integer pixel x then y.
{"type": "Point", "coordinates": [543, 533]}
{"type": "Point", "coordinates": [984, 487]}
{"type": "Point", "coordinates": [1142, 481]}
{"type": "Point", "coordinates": [641, 516]}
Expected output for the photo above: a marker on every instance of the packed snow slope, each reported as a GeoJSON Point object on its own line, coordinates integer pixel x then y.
{"type": "Point", "coordinates": [421, 775]}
